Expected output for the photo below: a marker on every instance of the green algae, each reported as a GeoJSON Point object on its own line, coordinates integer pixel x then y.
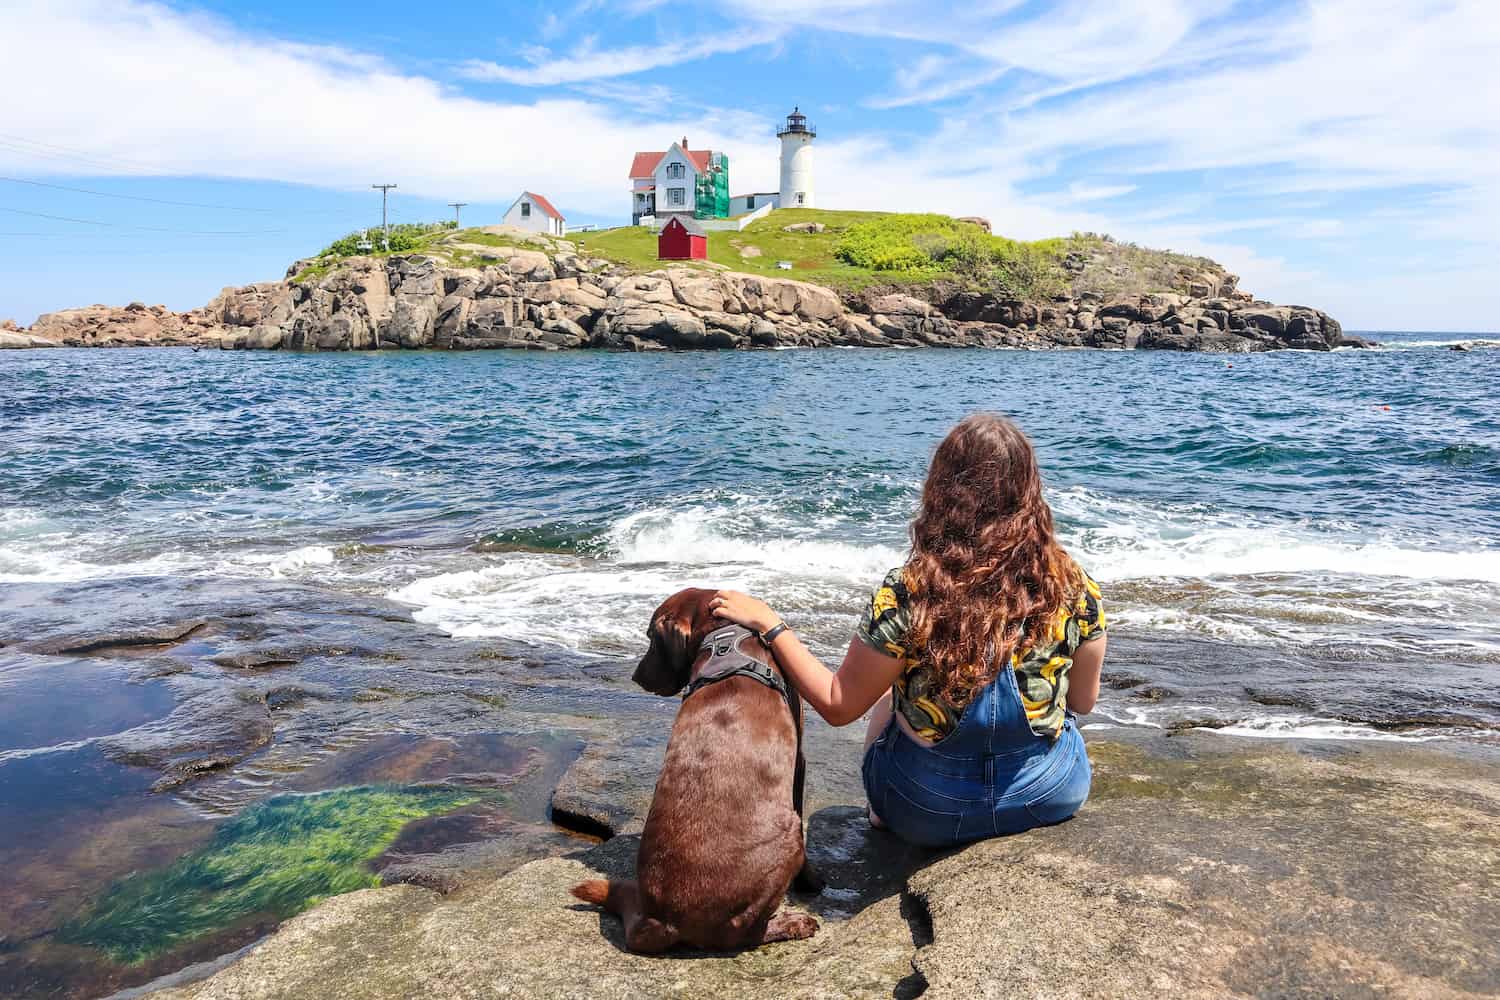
{"type": "Point", "coordinates": [271, 861]}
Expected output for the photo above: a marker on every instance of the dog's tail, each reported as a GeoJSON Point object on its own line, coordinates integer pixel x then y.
{"type": "Point", "coordinates": [616, 897]}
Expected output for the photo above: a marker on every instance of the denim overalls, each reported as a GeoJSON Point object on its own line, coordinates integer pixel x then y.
{"type": "Point", "coordinates": [990, 776]}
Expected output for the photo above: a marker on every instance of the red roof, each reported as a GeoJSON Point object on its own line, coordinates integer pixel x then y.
{"type": "Point", "coordinates": [644, 164]}
{"type": "Point", "coordinates": [544, 205]}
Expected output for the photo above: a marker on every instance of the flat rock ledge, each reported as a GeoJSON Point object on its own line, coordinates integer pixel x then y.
{"type": "Point", "coordinates": [553, 298]}
{"type": "Point", "coordinates": [1201, 867]}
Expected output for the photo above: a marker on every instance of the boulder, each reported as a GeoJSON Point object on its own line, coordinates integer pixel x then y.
{"type": "Point", "coordinates": [900, 305]}
{"type": "Point", "coordinates": [671, 327]}
{"type": "Point", "coordinates": [700, 290]}
{"type": "Point", "coordinates": [804, 227]}
{"type": "Point", "coordinates": [531, 265]}
{"type": "Point", "coordinates": [646, 288]}
{"type": "Point", "coordinates": [13, 340]}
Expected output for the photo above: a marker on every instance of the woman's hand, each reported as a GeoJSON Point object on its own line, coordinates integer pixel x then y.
{"type": "Point", "coordinates": [742, 609]}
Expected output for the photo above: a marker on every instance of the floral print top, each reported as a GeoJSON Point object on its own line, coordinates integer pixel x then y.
{"type": "Point", "coordinates": [1041, 671]}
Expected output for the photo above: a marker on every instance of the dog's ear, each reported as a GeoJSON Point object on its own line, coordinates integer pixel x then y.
{"type": "Point", "coordinates": [668, 662]}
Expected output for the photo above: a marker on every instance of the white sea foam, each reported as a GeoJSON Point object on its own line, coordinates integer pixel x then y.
{"type": "Point", "coordinates": [1310, 727]}
{"type": "Point", "coordinates": [571, 602]}
{"type": "Point", "coordinates": [285, 564]}
{"type": "Point", "coordinates": [1121, 539]}
{"type": "Point", "coordinates": [1476, 341]}
{"type": "Point", "coordinates": [698, 536]}
{"type": "Point", "coordinates": [1262, 726]}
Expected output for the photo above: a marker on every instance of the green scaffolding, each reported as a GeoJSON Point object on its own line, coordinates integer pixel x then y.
{"type": "Point", "coordinates": [712, 195]}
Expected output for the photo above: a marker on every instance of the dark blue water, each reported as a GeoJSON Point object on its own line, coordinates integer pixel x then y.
{"type": "Point", "coordinates": [1337, 504]}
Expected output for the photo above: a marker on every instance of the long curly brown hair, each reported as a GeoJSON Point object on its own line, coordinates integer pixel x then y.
{"type": "Point", "coordinates": [985, 567]}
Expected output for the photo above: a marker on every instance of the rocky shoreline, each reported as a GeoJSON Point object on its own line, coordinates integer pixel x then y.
{"type": "Point", "coordinates": [1201, 866]}
{"type": "Point", "coordinates": [1356, 879]}
{"type": "Point", "coordinates": [549, 294]}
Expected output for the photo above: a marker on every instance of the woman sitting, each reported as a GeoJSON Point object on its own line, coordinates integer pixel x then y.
{"type": "Point", "coordinates": [975, 655]}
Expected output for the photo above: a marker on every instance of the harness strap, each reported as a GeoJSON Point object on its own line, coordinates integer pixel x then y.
{"type": "Point", "coordinates": [723, 644]}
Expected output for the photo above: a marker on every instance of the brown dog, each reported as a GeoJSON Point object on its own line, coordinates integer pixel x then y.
{"type": "Point", "coordinates": [723, 839]}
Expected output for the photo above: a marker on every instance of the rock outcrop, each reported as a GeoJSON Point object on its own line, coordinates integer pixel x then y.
{"type": "Point", "coordinates": [552, 298]}
{"type": "Point", "coordinates": [12, 336]}
{"type": "Point", "coordinates": [1199, 869]}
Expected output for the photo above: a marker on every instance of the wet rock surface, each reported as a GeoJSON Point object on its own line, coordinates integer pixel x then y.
{"type": "Point", "coordinates": [1202, 865]}
{"type": "Point", "coordinates": [140, 713]}
{"type": "Point", "coordinates": [550, 298]}
{"type": "Point", "coordinates": [1222, 871]}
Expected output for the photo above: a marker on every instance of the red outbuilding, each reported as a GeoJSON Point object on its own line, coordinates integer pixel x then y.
{"type": "Point", "coordinates": [682, 239]}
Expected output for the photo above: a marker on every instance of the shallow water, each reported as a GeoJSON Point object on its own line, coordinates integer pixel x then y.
{"type": "Point", "coordinates": [1289, 545]}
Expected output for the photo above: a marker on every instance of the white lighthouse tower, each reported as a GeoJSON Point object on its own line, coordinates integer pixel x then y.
{"type": "Point", "coordinates": [797, 161]}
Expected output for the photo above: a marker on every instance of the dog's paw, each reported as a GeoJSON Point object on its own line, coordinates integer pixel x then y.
{"type": "Point", "coordinates": [791, 926]}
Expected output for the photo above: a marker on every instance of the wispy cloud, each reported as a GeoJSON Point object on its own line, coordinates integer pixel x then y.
{"type": "Point", "coordinates": [588, 62]}
{"type": "Point", "coordinates": [1079, 193]}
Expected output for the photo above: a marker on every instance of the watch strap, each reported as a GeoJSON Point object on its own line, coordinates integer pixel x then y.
{"type": "Point", "coordinates": [769, 635]}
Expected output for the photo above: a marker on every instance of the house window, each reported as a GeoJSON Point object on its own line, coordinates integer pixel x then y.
{"type": "Point", "coordinates": [677, 196]}
{"type": "Point", "coordinates": [525, 209]}
{"type": "Point", "coordinates": [749, 202]}
{"type": "Point", "coordinates": [674, 170]}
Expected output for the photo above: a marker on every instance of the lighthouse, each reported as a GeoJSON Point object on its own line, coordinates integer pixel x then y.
{"type": "Point", "coordinates": [796, 161]}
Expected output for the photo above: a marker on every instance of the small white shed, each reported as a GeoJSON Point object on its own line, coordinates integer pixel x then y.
{"type": "Point", "coordinates": [534, 213]}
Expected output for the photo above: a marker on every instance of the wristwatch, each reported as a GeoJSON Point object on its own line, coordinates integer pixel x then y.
{"type": "Point", "coordinates": [769, 635]}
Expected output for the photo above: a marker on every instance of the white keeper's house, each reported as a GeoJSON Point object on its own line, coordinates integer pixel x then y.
{"type": "Point", "coordinates": [666, 183]}
{"type": "Point", "coordinates": [535, 214]}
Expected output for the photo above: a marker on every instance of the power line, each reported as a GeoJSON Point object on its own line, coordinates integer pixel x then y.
{"type": "Point", "coordinates": [118, 235]}
{"type": "Point", "coordinates": [19, 144]}
{"type": "Point", "coordinates": [135, 197]}
{"type": "Point", "coordinates": [146, 229]}
{"type": "Point", "coordinates": [456, 205]}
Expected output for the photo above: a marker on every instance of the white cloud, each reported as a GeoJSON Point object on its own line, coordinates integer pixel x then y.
{"type": "Point", "coordinates": [588, 62]}
{"type": "Point", "coordinates": [1078, 193]}
{"type": "Point", "coordinates": [139, 88]}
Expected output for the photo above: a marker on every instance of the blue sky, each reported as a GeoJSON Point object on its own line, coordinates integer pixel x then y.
{"type": "Point", "coordinates": [1343, 154]}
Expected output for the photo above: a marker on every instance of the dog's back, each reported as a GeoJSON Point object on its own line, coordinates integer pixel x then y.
{"type": "Point", "coordinates": [723, 841]}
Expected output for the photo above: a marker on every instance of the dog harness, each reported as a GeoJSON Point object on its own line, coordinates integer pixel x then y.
{"type": "Point", "coordinates": [725, 660]}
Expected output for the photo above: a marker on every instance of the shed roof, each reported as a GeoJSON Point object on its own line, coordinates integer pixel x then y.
{"type": "Point", "coordinates": [687, 222]}
{"type": "Point", "coordinates": [544, 205]}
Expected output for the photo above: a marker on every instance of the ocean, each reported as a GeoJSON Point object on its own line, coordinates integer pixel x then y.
{"type": "Point", "coordinates": [1334, 518]}
{"type": "Point", "coordinates": [227, 575]}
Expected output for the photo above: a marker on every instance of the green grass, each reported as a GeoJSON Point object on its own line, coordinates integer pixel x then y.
{"type": "Point", "coordinates": [315, 272]}
{"type": "Point", "coordinates": [859, 250]}
{"type": "Point", "coordinates": [273, 860]}
{"type": "Point", "coordinates": [811, 254]}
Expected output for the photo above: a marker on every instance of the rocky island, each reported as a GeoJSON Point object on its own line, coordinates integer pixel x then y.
{"type": "Point", "coordinates": [495, 287]}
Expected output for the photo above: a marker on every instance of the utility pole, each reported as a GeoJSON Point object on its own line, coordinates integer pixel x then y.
{"type": "Point", "coordinates": [456, 205]}
{"type": "Point", "coordinates": [384, 226]}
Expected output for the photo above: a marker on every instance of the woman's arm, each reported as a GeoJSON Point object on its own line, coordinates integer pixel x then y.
{"type": "Point", "coordinates": [840, 698]}
{"type": "Point", "coordinates": [1083, 675]}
